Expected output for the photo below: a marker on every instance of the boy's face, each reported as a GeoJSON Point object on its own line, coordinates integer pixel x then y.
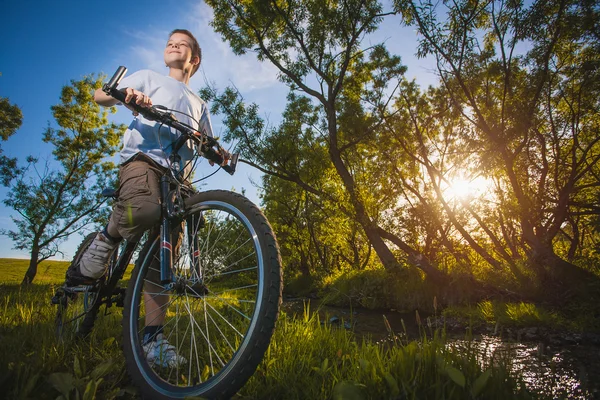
{"type": "Point", "coordinates": [178, 53]}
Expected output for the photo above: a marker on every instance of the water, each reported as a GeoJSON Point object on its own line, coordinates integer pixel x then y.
{"type": "Point", "coordinates": [562, 372]}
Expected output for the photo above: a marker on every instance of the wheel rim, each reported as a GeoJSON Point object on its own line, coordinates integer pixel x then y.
{"type": "Point", "coordinates": [209, 326]}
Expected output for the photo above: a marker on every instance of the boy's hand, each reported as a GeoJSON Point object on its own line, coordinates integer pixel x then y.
{"type": "Point", "coordinates": [226, 157]}
{"type": "Point", "coordinates": [138, 97]}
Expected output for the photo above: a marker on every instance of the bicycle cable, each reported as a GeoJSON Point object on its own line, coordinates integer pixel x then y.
{"type": "Point", "coordinates": [163, 149]}
{"type": "Point", "coordinates": [195, 159]}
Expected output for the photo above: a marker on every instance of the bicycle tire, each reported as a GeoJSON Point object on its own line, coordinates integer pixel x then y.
{"type": "Point", "coordinates": [227, 267]}
{"type": "Point", "coordinates": [75, 313]}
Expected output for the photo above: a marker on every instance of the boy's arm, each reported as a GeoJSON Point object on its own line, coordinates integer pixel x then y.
{"type": "Point", "coordinates": [103, 99]}
{"type": "Point", "coordinates": [136, 80]}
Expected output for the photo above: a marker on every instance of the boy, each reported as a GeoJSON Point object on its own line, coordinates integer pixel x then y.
{"type": "Point", "coordinates": [144, 158]}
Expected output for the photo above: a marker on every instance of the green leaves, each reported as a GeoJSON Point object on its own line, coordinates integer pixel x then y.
{"type": "Point", "coordinates": [81, 386]}
{"type": "Point", "coordinates": [480, 382]}
{"type": "Point", "coordinates": [11, 118]}
{"type": "Point", "coordinates": [324, 368]}
{"type": "Point", "coordinates": [456, 376]}
{"type": "Point", "coordinates": [299, 37]}
{"type": "Point", "coordinates": [348, 390]}
{"type": "Point", "coordinates": [83, 125]}
{"type": "Point", "coordinates": [392, 384]}
{"type": "Point", "coordinates": [64, 382]}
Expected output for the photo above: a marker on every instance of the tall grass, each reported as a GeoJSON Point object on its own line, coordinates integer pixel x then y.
{"type": "Point", "coordinates": [33, 359]}
{"type": "Point", "coordinates": [311, 360]}
{"type": "Point", "coordinates": [306, 360]}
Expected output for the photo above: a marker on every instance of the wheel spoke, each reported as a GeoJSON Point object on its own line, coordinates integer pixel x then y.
{"type": "Point", "coordinates": [214, 304]}
{"type": "Point", "coordinates": [232, 272]}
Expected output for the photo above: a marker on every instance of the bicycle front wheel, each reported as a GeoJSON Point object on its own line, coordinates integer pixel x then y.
{"type": "Point", "coordinates": [219, 313]}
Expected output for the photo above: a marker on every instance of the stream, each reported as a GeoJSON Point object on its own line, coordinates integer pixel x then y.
{"type": "Point", "coordinates": [557, 365]}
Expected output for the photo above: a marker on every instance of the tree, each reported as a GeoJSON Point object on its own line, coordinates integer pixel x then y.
{"type": "Point", "coordinates": [11, 119]}
{"type": "Point", "coordinates": [317, 48]}
{"type": "Point", "coordinates": [58, 198]}
{"type": "Point", "coordinates": [517, 106]}
{"type": "Point", "coordinates": [532, 116]}
{"type": "Point", "coordinates": [315, 236]}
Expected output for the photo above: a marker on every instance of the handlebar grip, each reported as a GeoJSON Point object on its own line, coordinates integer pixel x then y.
{"type": "Point", "coordinates": [230, 169]}
{"type": "Point", "coordinates": [110, 88]}
{"type": "Point", "coordinates": [116, 78]}
{"type": "Point", "coordinates": [212, 155]}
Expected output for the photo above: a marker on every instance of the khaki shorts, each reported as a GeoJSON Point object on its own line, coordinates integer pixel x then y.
{"type": "Point", "coordinates": [138, 206]}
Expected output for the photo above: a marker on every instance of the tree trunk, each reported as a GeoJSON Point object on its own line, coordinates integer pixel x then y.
{"type": "Point", "coordinates": [561, 279]}
{"type": "Point", "coordinates": [416, 258]}
{"type": "Point", "coordinates": [303, 267]}
{"type": "Point", "coordinates": [33, 264]}
{"type": "Point", "coordinates": [385, 255]}
{"type": "Point", "coordinates": [371, 229]}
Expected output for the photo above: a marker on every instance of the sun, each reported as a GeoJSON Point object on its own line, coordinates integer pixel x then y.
{"type": "Point", "coordinates": [462, 189]}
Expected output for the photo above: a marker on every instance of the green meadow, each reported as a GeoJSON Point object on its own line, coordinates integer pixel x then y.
{"type": "Point", "coordinates": [307, 359]}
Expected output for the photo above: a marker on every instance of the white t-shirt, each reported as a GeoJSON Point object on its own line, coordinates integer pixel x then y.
{"type": "Point", "coordinates": [152, 138]}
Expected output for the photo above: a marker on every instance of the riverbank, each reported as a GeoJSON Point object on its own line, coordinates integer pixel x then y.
{"type": "Point", "coordinates": [556, 363]}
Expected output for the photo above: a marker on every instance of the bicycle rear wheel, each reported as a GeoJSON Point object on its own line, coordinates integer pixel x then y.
{"type": "Point", "coordinates": [75, 304]}
{"type": "Point", "coordinates": [220, 312]}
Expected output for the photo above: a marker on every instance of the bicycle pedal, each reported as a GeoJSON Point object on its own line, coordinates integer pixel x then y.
{"type": "Point", "coordinates": [56, 299]}
{"type": "Point", "coordinates": [74, 278]}
{"type": "Point", "coordinates": [120, 297]}
{"type": "Point", "coordinates": [62, 296]}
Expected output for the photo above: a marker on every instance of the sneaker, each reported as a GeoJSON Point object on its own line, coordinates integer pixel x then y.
{"type": "Point", "coordinates": [93, 262]}
{"type": "Point", "coordinates": [73, 277]}
{"type": "Point", "coordinates": [160, 352]}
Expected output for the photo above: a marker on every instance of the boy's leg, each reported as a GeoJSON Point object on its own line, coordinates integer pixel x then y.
{"type": "Point", "coordinates": [156, 346]}
{"type": "Point", "coordinates": [137, 209]}
{"type": "Point", "coordinates": [155, 299]}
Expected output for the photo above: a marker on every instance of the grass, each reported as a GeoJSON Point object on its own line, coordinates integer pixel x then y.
{"type": "Point", "coordinates": [307, 359]}
{"type": "Point", "coordinates": [311, 360]}
{"type": "Point", "coordinates": [49, 272]}
{"type": "Point", "coordinates": [526, 314]}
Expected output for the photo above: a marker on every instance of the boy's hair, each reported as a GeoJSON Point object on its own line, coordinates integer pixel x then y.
{"type": "Point", "coordinates": [196, 50]}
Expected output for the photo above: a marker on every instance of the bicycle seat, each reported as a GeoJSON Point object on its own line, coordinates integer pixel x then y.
{"type": "Point", "coordinates": [110, 192]}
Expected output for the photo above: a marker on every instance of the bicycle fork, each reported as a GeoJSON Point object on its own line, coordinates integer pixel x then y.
{"type": "Point", "coordinates": [172, 205]}
{"type": "Point", "coordinates": [166, 247]}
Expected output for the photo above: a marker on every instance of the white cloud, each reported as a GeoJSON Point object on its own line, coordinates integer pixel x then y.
{"type": "Point", "coordinates": [220, 64]}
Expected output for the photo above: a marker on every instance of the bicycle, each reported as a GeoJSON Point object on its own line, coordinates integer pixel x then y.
{"type": "Point", "coordinates": [216, 258]}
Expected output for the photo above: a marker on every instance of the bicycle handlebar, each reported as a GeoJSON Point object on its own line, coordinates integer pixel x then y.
{"type": "Point", "coordinates": [206, 143]}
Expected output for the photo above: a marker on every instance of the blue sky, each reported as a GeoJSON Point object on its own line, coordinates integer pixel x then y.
{"type": "Point", "coordinates": [46, 44]}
